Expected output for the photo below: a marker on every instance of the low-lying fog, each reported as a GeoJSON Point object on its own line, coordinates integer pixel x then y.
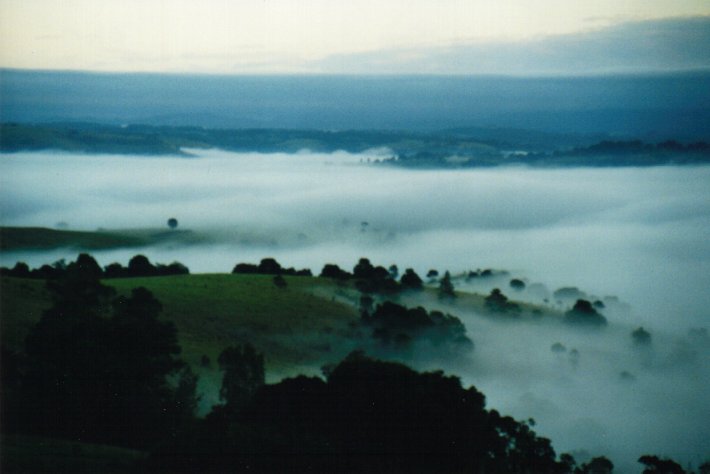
{"type": "Point", "coordinates": [637, 233]}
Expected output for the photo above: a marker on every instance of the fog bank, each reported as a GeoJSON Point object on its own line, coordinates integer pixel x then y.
{"type": "Point", "coordinates": [640, 234]}
{"type": "Point", "coordinates": [636, 233]}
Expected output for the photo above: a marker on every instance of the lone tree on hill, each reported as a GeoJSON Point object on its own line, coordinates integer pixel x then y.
{"type": "Point", "coordinates": [584, 313]}
{"type": "Point", "coordinates": [517, 284]}
{"type": "Point", "coordinates": [598, 465]}
{"type": "Point", "coordinates": [655, 465]}
{"type": "Point", "coordinates": [172, 223]}
{"type": "Point", "coordinates": [363, 269]}
{"type": "Point", "coordinates": [641, 337]}
{"type": "Point", "coordinates": [432, 275]}
{"type": "Point", "coordinates": [139, 265]}
{"type": "Point", "coordinates": [446, 288]}
{"type": "Point", "coordinates": [497, 302]}
{"type": "Point", "coordinates": [411, 280]}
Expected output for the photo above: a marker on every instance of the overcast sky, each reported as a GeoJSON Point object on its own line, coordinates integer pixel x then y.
{"type": "Point", "coordinates": [387, 36]}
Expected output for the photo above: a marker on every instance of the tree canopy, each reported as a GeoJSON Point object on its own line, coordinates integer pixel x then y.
{"type": "Point", "coordinates": [99, 367]}
{"type": "Point", "coordinates": [368, 416]}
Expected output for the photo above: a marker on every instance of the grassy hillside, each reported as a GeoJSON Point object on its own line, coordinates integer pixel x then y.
{"type": "Point", "coordinates": [306, 323]}
{"type": "Point", "coordinates": [290, 325]}
{"type": "Point", "coordinates": [34, 238]}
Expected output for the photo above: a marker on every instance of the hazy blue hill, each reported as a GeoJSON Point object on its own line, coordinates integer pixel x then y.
{"type": "Point", "coordinates": [447, 149]}
{"type": "Point", "coordinates": [650, 107]}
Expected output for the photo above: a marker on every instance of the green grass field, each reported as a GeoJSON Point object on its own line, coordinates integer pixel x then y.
{"type": "Point", "coordinates": [291, 325]}
{"type": "Point", "coordinates": [40, 238]}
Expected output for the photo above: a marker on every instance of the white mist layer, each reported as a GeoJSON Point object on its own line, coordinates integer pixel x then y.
{"type": "Point", "coordinates": [638, 233]}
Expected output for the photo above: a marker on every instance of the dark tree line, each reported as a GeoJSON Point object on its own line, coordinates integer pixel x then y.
{"type": "Point", "coordinates": [371, 278]}
{"type": "Point", "coordinates": [397, 326]}
{"type": "Point", "coordinates": [368, 416]}
{"type": "Point", "coordinates": [269, 266]}
{"type": "Point", "coordinates": [138, 266]}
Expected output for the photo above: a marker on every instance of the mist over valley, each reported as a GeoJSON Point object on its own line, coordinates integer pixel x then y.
{"type": "Point", "coordinates": [395, 237]}
{"type": "Point", "coordinates": [633, 237]}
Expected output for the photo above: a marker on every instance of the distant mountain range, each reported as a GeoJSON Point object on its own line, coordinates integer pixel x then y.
{"type": "Point", "coordinates": [563, 111]}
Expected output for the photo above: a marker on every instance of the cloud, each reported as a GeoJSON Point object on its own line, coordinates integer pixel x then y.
{"type": "Point", "coordinates": [640, 46]}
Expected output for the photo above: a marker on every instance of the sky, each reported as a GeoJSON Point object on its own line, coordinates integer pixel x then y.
{"type": "Point", "coordinates": [357, 36]}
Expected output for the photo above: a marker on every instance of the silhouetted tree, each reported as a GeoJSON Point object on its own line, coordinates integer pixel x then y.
{"type": "Point", "coordinates": [446, 288]}
{"type": "Point", "coordinates": [248, 268]}
{"type": "Point", "coordinates": [641, 337]}
{"type": "Point", "coordinates": [79, 289]}
{"type": "Point", "coordinates": [598, 465]}
{"type": "Point", "coordinates": [410, 280]}
{"type": "Point", "coordinates": [11, 377]}
{"type": "Point", "coordinates": [175, 268]}
{"type": "Point", "coordinates": [103, 378]}
{"type": "Point", "coordinates": [370, 416]}
{"type": "Point", "coordinates": [172, 223]}
{"type": "Point", "coordinates": [182, 405]}
{"type": "Point", "coordinates": [363, 269]}
{"type": "Point", "coordinates": [269, 266]}
{"type": "Point", "coordinates": [115, 270]}
{"type": "Point", "coordinates": [497, 302]}
{"type": "Point", "coordinates": [86, 266]}
{"type": "Point", "coordinates": [243, 369]}
{"type": "Point", "coordinates": [568, 293]}
{"type": "Point", "coordinates": [558, 347]}
{"type": "Point", "coordinates": [20, 270]}
{"type": "Point", "coordinates": [567, 463]}
{"type": "Point", "coordinates": [330, 270]}
{"type": "Point", "coordinates": [139, 266]}
{"type": "Point", "coordinates": [517, 284]}
{"type": "Point", "coordinates": [655, 465]}
{"type": "Point", "coordinates": [583, 313]}
{"type": "Point", "coordinates": [394, 324]}
{"type": "Point", "coordinates": [627, 376]}
{"type": "Point", "coordinates": [393, 272]}
{"type": "Point", "coordinates": [432, 275]}
{"type": "Point", "coordinates": [366, 302]}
